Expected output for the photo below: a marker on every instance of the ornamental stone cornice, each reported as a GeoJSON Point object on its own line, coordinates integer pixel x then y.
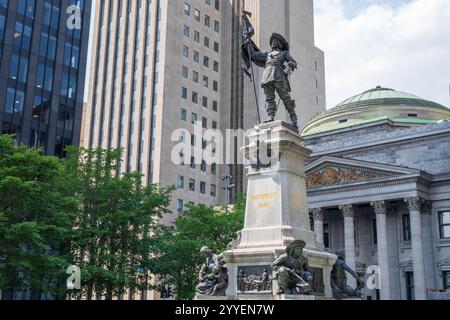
{"type": "Point", "coordinates": [419, 134]}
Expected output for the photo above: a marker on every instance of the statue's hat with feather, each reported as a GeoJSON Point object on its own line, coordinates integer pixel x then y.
{"type": "Point", "coordinates": [282, 40]}
{"type": "Point", "coordinates": [294, 244]}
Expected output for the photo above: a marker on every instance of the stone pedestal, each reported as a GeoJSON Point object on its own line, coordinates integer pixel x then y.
{"type": "Point", "coordinates": [276, 214]}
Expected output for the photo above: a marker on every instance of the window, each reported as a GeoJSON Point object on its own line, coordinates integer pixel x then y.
{"type": "Point", "coordinates": [204, 123]}
{"type": "Point", "coordinates": [15, 100]}
{"type": "Point", "coordinates": [187, 9]}
{"type": "Point", "coordinates": [215, 86]}
{"type": "Point", "coordinates": [444, 224]}
{"type": "Point", "coordinates": [26, 8]}
{"type": "Point", "coordinates": [184, 93]}
{"type": "Point", "coordinates": [22, 36]}
{"type": "Point", "coordinates": [206, 61]}
{"type": "Point", "coordinates": [216, 66]}
{"type": "Point", "coordinates": [186, 31]}
{"type": "Point", "coordinates": [214, 168]}
{"type": "Point", "coordinates": [406, 227]}
{"type": "Point", "coordinates": [197, 36]}
{"type": "Point", "coordinates": [205, 81]}
{"type": "Point", "coordinates": [216, 26]}
{"type": "Point", "coordinates": [193, 166]}
{"type": "Point", "coordinates": [194, 118]}
{"type": "Point", "coordinates": [214, 125]}
{"type": "Point", "coordinates": [183, 114]}
{"type": "Point", "coordinates": [194, 97]}
{"type": "Point", "coordinates": [184, 72]}
{"type": "Point", "coordinates": [192, 185]}
{"type": "Point", "coordinates": [180, 205]}
{"type": "Point", "coordinates": [217, 5]}
{"type": "Point", "coordinates": [206, 42]}
{"type": "Point", "coordinates": [216, 46]}
{"type": "Point", "coordinates": [207, 21]}
{"type": "Point", "coordinates": [203, 166]}
{"type": "Point", "coordinates": [195, 76]}
{"type": "Point", "coordinates": [71, 54]}
{"type": "Point", "coordinates": [205, 102]}
{"type": "Point", "coordinates": [185, 51]}
{"type": "Point", "coordinates": [14, 67]}
{"type": "Point", "coordinates": [197, 15]}
{"type": "Point", "coordinates": [202, 187]}
{"type": "Point", "coordinates": [2, 26]}
{"type": "Point", "coordinates": [196, 56]}
{"type": "Point", "coordinates": [215, 106]}
{"type": "Point", "coordinates": [180, 182]}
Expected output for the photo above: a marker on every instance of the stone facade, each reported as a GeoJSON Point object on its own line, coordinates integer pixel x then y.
{"type": "Point", "coordinates": [382, 189]}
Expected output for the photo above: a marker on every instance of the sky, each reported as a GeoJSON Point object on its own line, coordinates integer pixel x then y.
{"type": "Point", "coordinates": [399, 44]}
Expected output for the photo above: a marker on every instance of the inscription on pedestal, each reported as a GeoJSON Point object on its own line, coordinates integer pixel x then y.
{"type": "Point", "coordinates": [257, 279]}
{"type": "Point", "coordinates": [264, 200]}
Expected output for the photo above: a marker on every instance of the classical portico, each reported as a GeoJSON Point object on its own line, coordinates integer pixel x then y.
{"type": "Point", "coordinates": [352, 193]}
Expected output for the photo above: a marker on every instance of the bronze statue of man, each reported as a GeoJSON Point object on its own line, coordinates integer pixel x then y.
{"type": "Point", "coordinates": [293, 274]}
{"type": "Point", "coordinates": [278, 64]}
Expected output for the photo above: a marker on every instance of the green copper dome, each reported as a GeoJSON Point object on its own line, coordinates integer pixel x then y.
{"type": "Point", "coordinates": [375, 105]}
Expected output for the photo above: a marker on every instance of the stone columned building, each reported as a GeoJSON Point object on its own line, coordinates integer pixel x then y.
{"type": "Point", "coordinates": [379, 189]}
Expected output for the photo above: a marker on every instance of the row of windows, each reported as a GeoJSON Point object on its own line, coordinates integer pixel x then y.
{"type": "Point", "coordinates": [194, 119]}
{"type": "Point", "coordinates": [197, 16]}
{"type": "Point", "coordinates": [192, 186]}
{"type": "Point", "coordinates": [195, 96]}
{"type": "Point", "coordinates": [196, 58]}
{"type": "Point", "coordinates": [206, 40]}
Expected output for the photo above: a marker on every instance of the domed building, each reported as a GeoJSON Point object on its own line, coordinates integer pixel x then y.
{"type": "Point", "coordinates": [379, 189]}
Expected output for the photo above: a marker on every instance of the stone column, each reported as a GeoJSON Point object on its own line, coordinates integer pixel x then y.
{"type": "Point", "coordinates": [349, 237]}
{"type": "Point", "coordinates": [383, 257]}
{"type": "Point", "coordinates": [415, 205]}
{"type": "Point", "coordinates": [318, 216]}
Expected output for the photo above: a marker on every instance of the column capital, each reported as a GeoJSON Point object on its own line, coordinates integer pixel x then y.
{"type": "Point", "coordinates": [318, 213]}
{"type": "Point", "coordinates": [379, 207]}
{"type": "Point", "coordinates": [347, 210]}
{"type": "Point", "coordinates": [414, 203]}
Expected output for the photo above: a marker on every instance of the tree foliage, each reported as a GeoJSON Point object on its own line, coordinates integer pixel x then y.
{"type": "Point", "coordinates": [113, 225]}
{"type": "Point", "coordinates": [36, 213]}
{"type": "Point", "coordinates": [177, 256]}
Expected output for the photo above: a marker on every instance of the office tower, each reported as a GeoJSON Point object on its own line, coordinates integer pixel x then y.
{"type": "Point", "coordinates": [43, 48]}
{"type": "Point", "coordinates": [160, 67]}
{"type": "Point", "coordinates": [294, 19]}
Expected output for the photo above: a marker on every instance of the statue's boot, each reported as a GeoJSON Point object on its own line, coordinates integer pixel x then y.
{"type": "Point", "coordinates": [294, 120]}
{"type": "Point", "coordinates": [271, 112]}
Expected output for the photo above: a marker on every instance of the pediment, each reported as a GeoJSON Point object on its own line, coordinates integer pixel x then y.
{"type": "Point", "coordinates": [331, 171]}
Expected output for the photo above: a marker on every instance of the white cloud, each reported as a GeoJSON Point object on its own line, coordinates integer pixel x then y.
{"type": "Point", "coordinates": [404, 47]}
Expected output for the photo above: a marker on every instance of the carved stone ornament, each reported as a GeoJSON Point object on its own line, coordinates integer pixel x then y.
{"type": "Point", "coordinates": [330, 176]}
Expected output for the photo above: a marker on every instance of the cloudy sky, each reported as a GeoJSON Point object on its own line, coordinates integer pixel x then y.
{"type": "Point", "coordinates": [400, 44]}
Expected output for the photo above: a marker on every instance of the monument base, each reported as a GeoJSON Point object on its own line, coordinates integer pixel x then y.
{"type": "Point", "coordinates": [247, 270]}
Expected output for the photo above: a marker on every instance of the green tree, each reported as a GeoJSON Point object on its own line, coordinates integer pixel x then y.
{"type": "Point", "coordinates": [36, 213]}
{"type": "Point", "coordinates": [113, 225]}
{"type": "Point", "coordinates": [177, 248]}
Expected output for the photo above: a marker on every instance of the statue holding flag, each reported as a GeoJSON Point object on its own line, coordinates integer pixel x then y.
{"type": "Point", "coordinates": [278, 64]}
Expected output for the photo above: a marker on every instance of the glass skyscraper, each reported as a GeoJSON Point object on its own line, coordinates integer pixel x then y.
{"type": "Point", "coordinates": [43, 54]}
